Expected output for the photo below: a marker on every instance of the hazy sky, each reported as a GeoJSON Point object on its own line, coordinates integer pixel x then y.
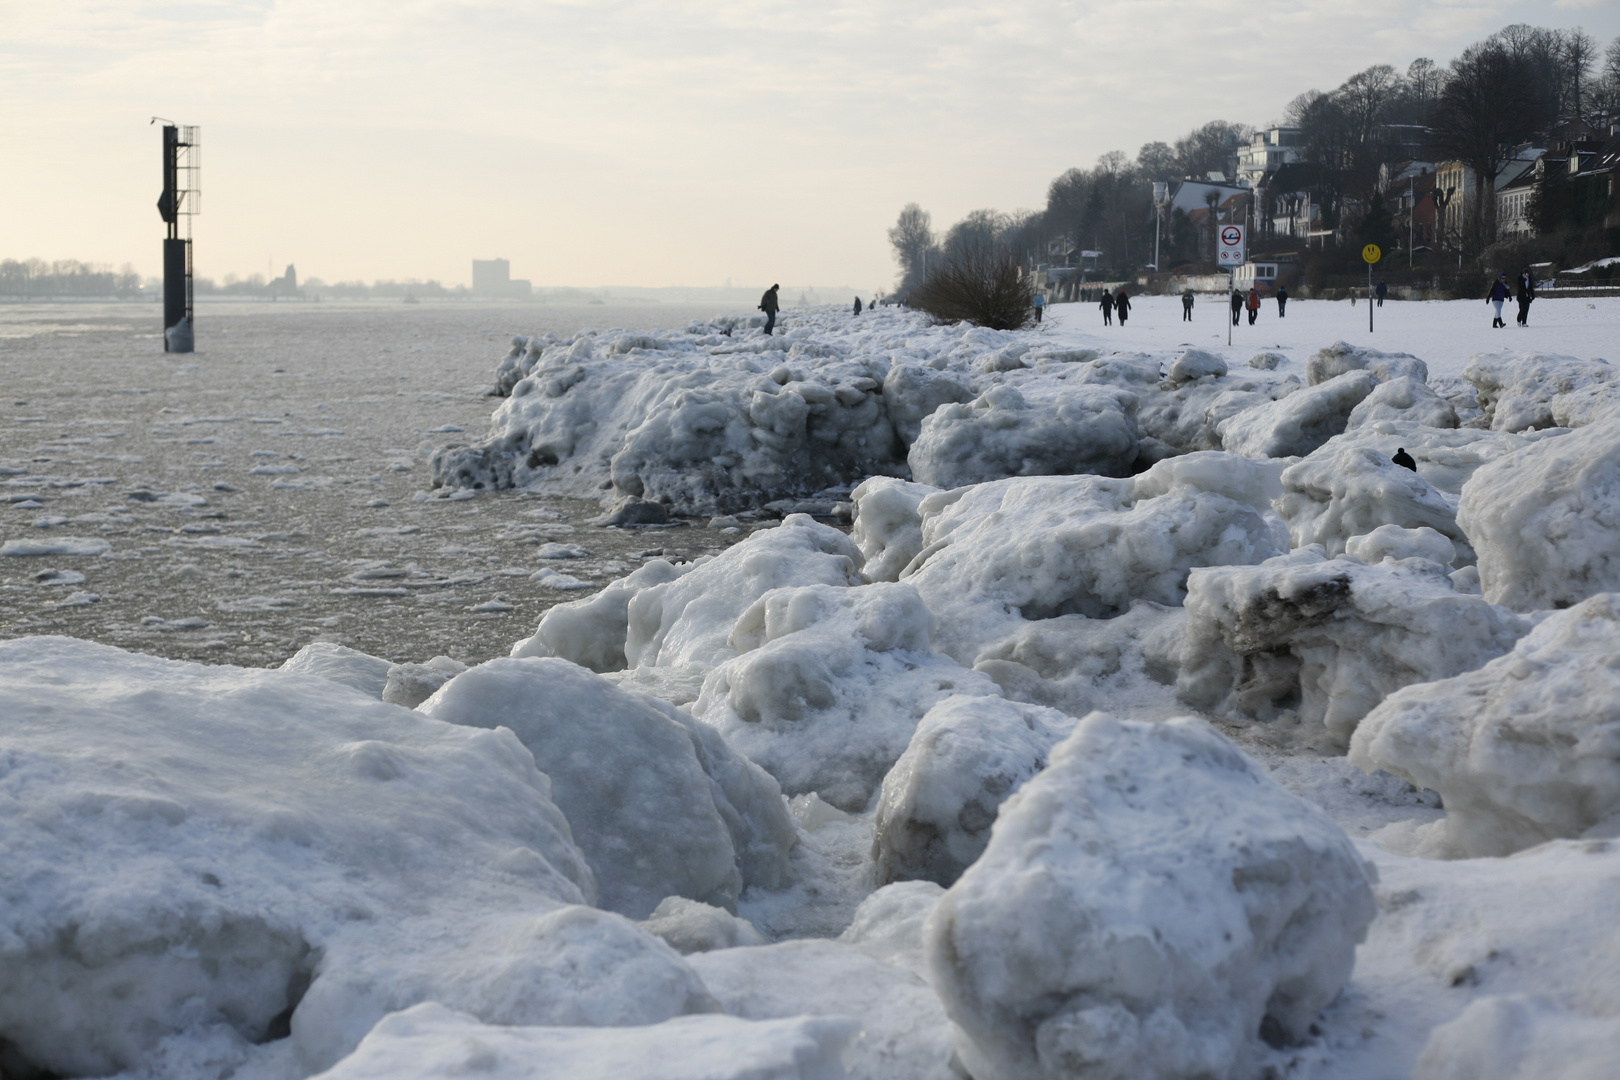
{"type": "Point", "coordinates": [634, 142]}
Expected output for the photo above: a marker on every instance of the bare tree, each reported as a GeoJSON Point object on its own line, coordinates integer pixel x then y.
{"type": "Point", "coordinates": [985, 286]}
{"type": "Point", "coordinates": [913, 239]}
{"type": "Point", "coordinates": [1580, 51]}
{"type": "Point", "coordinates": [1156, 161]}
{"type": "Point", "coordinates": [1488, 105]}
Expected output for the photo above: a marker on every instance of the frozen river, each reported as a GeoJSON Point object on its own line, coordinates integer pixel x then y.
{"type": "Point", "coordinates": [260, 493]}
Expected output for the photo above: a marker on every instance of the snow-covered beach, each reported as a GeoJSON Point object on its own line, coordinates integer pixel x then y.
{"type": "Point", "coordinates": [1072, 702]}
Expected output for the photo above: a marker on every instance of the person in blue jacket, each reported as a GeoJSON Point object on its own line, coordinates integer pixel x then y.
{"type": "Point", "coordinates": [1498, 296]}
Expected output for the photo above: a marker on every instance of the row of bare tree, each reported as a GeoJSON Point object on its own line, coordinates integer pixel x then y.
{"type": "Point", "coordinates": [1500, 92]}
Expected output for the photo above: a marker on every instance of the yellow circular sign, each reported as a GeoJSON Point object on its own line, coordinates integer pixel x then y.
{"type": "Point", "coordinates": [1371, 254]}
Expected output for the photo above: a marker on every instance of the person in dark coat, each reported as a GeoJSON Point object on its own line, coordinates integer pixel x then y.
{"type": "Point", "coordinates": [1282, 301]}
{"type": "Point", "coordinates": [1122, 306]}
{"type": "Point", "coordinates": [1497, 297]}
{"type": "Point", "coordinates": [1237, 306]}
{"type": "Point", "coordinates": [1403, 459]}
{"type": "Point", "coordinates": [1383, 291]}
{"type": "Point", "coordinates": [1186, 306]}
{"type": "Point", "coordinates": [770, 307]}
{"type": "Point", "coordinates": [1107, 305]}
{"type": "Point", "coordinates": [857, 305]}
{"type": "Point", "coordinates": [1254, 304]}
{"type": "Point", "coordinates": [1525, 293]}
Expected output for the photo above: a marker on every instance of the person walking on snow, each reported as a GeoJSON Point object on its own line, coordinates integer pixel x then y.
{"type": "Point", "coordinates": [1383, 291]}
{"type": "Point", "coordinates": [1254, 304]}
{"type": "Point", "coordinates": [1186, 306]}
{"type": "Point", "coordinates": [1525, 294]}
{"type": "Point", "coordinates": [1237, 305]}
{"type": "Point", "coordinates": [857, 305]}
{"type": "Point", "coordinates": [1107, 305]}
{"type": "Point", "coordinates": [1282, 301]}
{"type": "Point", "coordinates": [1122, 306]}
{"type": "Point", "coordinates": [770, 307]}
{"type": "Point", "coordinates": [1498, 296]}
{"type": "Point", "coordinates": [1040, 305]}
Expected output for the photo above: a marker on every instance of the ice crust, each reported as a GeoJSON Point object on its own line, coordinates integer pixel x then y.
{"type": "Point", "coordinates": [657, 810]}
{"type": "Point", "coordinates": [1143, 905]}
{"type": "Point", "coordinates": [1325, 639]}
{"type": "Point", "coordinates": [1524, 749]}
{"type": "Point", "coordinates": [430, 1042]}
{"type": "Point", "coordinates": [1546, 520]}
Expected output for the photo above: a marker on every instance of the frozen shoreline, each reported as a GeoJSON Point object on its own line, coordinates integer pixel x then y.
{"type": "Point", "coordinates": [903, 686]}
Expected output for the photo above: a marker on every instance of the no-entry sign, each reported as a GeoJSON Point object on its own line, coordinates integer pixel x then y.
{"type": "Point", "coordinates": [1232, 250]}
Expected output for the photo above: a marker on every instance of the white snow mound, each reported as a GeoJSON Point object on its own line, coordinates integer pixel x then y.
{"type": "Point", "coordinates": [1524, 750]}
{"type": "Point", "coordinates": [1299, 423]}
{"type": "Point", "coordinates": [1146, 906]}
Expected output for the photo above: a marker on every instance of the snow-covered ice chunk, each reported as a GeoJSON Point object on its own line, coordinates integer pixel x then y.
{"type": "Point", "coordinates": [1394, 542]}
{"type": "Point", "coordinates": [888, 525]}
{"type": "Point", "coordinates": [1194, 364]}
{"type": "Point", "coordinates": [56, 545]}
{"type": "Point", "coordinates": [341, 664]}
{"type": "Point", "coordinates": [904, 1034]}
{"type": "Point", "coordinates": [195, 845]}
{"type": "Point", "coordinates": [1407, 398]}
{"type": "Point", "coordinates": [550, 579]}
{"type": "Point", "coordinates": [829, 684]}
{"type": "Point", "coordinates": [1446, 457]}
{"type": "Point", "coordinates": [888, 925]}
{"type": "Point", "coordinates": [1520, 390]}
{"type": "Point", "coordinates": [411, 684]}
{"type": "Point", "coordinates": [1347, 488]}
{"type": "Point", "coordinates": [562, 551]}
{"type": "Point", "coordinates": [1187, 417]}
{"type": "Point", "coordinates": [430, 1042]}
{"type": "Point", "coordinates": [691, 926]}
{"type": "Point", "coordinates": [1087, 429]}
{"type": "Point", "coordinates": [689, 620]}
{"type": "Point", "coordinates": [968, 755]}
{"type": "Point", "coordinates": [591, 632]}
{"type": "Point", "coordinates": [1299, 423]}
{"type": "Point", "coordinates": [1546, 520]}
{"type": "Point", "coordinates": [1147, 905]}
{"type": "Point", "coordinates": [1038, 547]}
{"type": "Point", "coordinates": [1522, 750]}
{"type": "Point", "coordinates": [1329, 638]}
{"type": "Point", "coordinates": [1521, 1037]}
{"type": "Point", "coordinates": [1341, 357]}
{"type": "Point", "coordinates": [913, 392]}
{"type": "Point", "coordinates": [630, 776]}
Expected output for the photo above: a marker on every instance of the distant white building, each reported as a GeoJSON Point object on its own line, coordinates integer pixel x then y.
{"type": "Point", "coordinates": [493, 277]}
{"type": "Point", "coordinates": [1268, 151]}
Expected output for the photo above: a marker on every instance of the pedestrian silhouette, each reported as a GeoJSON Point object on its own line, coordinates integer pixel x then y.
{"type": "Point", "coordinates": [769, 305]}
{"type": "Point", "coordinates": [1107, 305]}
{"type": "Point", "coordinates": [1403, 459]}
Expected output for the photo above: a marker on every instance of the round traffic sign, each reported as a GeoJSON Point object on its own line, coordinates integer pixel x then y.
{"type": "Point", "coordinates": [1231, 235]}
{"type": "Point", "coordinates": [1371, 253]}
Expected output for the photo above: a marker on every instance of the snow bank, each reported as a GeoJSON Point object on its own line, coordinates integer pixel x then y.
{"type": "Point", "coordinates": [591, 632]}
{"type": "Point", "coordinates": [341, 664]}
{"type": "Point", "coordinates": [888, 925]}
{"type": "Point", "coordinates": [1146, 907]}
{"type": "Point", "coordinates": [1546, 520]}
{"type": "Point", "coordinates": [1407, 398]}
{"type": "Point", "coordinates": [1342, 357]}
{"type": "Point", "coordinates": [888, 525]}
{"type": "Point", "coordinates": [1038, 547]}
{"type": "Point", "coordinates": [1298, 423]}
{"type": "Point", "coordinates": [1520, 1037]}
{"type": "Point", "coordinates": [1327, 639]}
{"type": "Point", "coordinates": [903, 1034]}
{"type": "Point", "coordinates": [234, 855]}
{"type": "Point", "coordinates": [1446, 457]}
{"type": "Point", "coordinates": [940, 799]}
{"type": "Point", "coordinates": [1347, 488]}
{"type": "Point", "coordinates": [656, 811]}
{"type": "Point", "coordinates": [1520, 390]}
{"type": "Point", "coordinates": [690, 926]}
{"type": "Point", "coordinates": [430, 1042]}
{"type": "Point", "coordinates": [829, 685]}
{"type": "Point", "coordinates": [1090, 429]}
{"type": "Point", "coordinates": [1187, 417]}
{"type": "Point", "coordinates": [1522, 750]}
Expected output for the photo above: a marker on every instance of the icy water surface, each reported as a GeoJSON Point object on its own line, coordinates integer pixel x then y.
{"type": "Point", "coordinates": [260, 493]}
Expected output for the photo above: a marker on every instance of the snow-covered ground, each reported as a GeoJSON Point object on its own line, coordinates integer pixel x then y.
{"type": "Point", "coordinates": [1147, 721]}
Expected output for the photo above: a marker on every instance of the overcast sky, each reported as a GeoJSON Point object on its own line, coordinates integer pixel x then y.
{"type": "Point", "coordinates": [630, 141]}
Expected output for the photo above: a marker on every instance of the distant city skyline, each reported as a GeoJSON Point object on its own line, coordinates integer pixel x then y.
{"type": "Point", "coordinates": [654, 144]}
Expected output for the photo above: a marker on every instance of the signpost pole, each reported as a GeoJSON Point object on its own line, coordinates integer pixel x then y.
{"type": "Point", "coordinates": [1369, 255]}
{"type": "Point", "coordinates": [1369, 298]}
{"type": "Point", "coordinates": [1231, 284]}
{"type": "Point", "coordinates": [1232, 252]}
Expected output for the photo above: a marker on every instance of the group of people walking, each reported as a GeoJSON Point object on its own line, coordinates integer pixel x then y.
{"type": "Point", "coordinates": [1115, 304]}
